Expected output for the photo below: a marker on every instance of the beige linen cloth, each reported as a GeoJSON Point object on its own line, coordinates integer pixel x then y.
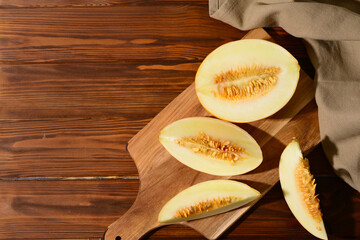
{"type": "Point", "coordinates": [331, 30]}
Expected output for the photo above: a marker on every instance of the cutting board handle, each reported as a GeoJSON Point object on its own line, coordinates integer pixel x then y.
{"type": "Point", "coordinates": [134, 224]}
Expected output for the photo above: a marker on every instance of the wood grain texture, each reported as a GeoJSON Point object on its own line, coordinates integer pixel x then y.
{"type": "Point", "coordinates": [67, 147]}
{"type": "Point", "coordinates": [171, 32]}
{"type": "Point", "coordinates": [131, 89]}
{"type": "Point", "coordinates": [158, 170]}
{"type": "Point", "coordinates": [62, 209]}
{"type": "Point", "coordinates": [106, 34]}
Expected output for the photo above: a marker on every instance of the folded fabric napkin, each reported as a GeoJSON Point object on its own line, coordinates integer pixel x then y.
{"type": "Point", "coordinates": [331, 31]}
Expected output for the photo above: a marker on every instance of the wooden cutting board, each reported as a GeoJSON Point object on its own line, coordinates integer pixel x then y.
{"type": "Point", "coordinates": [162, 176]}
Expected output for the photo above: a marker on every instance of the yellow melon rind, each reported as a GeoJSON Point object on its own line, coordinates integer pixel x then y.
{"type": "Point", "coordinates": [289, 161]}
{"type": "Point", "coordinates": [247, 52]}
{"type": "Point", "coordinates": [218, 129]}
{"type": "Point", "coordinates": [204, 191]}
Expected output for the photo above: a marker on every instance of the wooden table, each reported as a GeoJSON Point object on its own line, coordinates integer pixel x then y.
{"type": "Point", "coordinates": [78, 79]}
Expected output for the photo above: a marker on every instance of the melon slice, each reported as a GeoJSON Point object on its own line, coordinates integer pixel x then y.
{"type": "Point", "coordinates": [298, 186]}
{"type": "Point", "coordinates": [246, 80]}
{"type": "Point", "coordinates": [207, 199]}
{"type": "Point", "coordinates": [212, 146]}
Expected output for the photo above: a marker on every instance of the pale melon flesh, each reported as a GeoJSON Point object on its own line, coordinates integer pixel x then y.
{"type": "Point", "coordinates": [246, 80]}
{"type": "Point", "coordinates": [207, 199]}
{"type": "Point", "coordinates": [211, 146]}
{"type": "Point", "coordinates": [298, 187]}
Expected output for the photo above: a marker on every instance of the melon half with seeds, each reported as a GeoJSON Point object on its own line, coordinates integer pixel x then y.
{"type": "Point", "coordinates": [298, 186]}
{"type": "Point", "coordinates": [246, 80]}
{"type": "Point", "coordinates": [207, 199]}
{"type": "Point", "coordinates": [212, 146]}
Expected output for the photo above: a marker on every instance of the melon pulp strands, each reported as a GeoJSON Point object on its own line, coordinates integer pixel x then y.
{"type": "Point", "coordinates": [289, 161]}
{"type": "Point", "coordinates": [208, 191]}
{"type": "Point", "coordinates": [217, 129]}
{"type": "Point", "coordinates": [246, 56]}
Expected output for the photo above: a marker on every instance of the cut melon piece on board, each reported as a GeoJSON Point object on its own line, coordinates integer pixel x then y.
{"type": "Point", "coordinates": [298, 186]}
{"type": "Point", "coordinates": [211, 146]}
{"type": "Point", "coordinates": [207, 199]}
{"type": "Point", "coordinates": [246, 80]}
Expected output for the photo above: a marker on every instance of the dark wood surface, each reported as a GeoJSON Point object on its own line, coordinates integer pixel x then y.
{"type": "Point", "coordinates": [78, 79]}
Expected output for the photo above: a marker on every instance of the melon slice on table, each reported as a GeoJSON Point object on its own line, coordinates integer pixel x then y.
{"type": "Point", "coordinates": [207, 199]}
{"type": "Point", "coordinates": [298, 186]}
{"type": "Point", "coordinates": [246, 80]}
{"type": "Point", "coordinates": [212, 146]}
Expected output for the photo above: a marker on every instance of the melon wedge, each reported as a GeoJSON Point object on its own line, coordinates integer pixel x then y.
{"type": "Point", "coordinates": [298, 187]}
{"type": "Point", "coordinates": [207, 199]}
{"type": "Point", "coordinates": [246, 80]}
{"type": "Point", "coordinates": [211, 146]}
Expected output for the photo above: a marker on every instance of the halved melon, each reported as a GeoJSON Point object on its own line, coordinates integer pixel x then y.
{"type": "Point", "coordinates": [246, 80]}
{"type": "Point", "coordinates": [298, 186]}
{"type": "Point", "coordinates": [211, 145]}
{"type": "Point", "coordinates": [207, 199]}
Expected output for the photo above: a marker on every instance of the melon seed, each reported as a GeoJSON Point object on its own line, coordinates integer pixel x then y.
{"type": "Point", "coordinates": [215, 148]}
{"type": "Point", "coordinates": [306, 184]}
{"type": "Point", "coordinates": [246, 82]}
{"type": "Point", "coordinates": [205, 206]}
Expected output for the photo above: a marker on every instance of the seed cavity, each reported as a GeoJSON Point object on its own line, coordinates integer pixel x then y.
{"type": "Point", "coordinates": [206, 206]}
{"type": "Point", "coordinates": [215, 148]}
{"type": "Point", "coordinates": [246, 82]}
{"type": "Point", "coordinates": [306, 185]}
